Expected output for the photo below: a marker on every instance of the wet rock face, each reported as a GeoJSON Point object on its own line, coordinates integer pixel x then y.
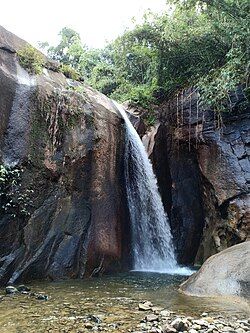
{"type": "Point", "coordinates": [201, 160]}
{"type": "Point", "coordinates": [63, 212]}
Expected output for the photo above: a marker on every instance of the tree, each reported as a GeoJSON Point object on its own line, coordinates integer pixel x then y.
{"type": "Point", "coordinates": [70, 49]}
{"type": "Point", "coordinates": [202, 42]}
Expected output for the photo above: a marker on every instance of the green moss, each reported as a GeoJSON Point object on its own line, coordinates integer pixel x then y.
{"type": "Point", "coordinates": [31, 59]}
{"type": "Point", "coordinates": [70, 72]}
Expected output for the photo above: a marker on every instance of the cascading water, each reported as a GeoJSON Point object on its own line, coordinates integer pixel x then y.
{"type": "Point", "coordinates": [152, 243]}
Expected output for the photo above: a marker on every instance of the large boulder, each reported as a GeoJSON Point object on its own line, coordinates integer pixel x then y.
{"type": "Point", "coordinates": [62, 207]}
{"type": "Point", "coordinates": [225, 273]}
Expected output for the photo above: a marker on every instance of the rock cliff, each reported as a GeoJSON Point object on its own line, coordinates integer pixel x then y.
{"type": "Point", "coordinates": [201, 160]}
{"type": "Point", "coordinates": [63, 207]}
{"type": "Point", "coordinates": [62, 212]}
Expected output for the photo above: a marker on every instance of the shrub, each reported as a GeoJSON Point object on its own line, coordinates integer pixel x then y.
{"type": "Point", "coordinates": [14, 200]}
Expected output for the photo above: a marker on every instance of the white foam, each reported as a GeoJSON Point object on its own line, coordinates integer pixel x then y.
{"type": "Point", "coordinates": [185, 271]}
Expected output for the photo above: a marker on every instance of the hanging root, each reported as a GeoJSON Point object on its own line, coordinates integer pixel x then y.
{"type": "Point", "coordinates": [189, 122]}
{"type": "Point", "coordinates": [177, 122]}
{"type": "Point", "coordinates": [197, 122]}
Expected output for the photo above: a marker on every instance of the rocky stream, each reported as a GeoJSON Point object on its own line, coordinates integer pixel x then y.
{"type": "Point", "coordinates": [134, 302]}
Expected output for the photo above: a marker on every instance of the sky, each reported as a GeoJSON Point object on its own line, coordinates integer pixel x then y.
{"type": "Point", "coordinates": [97, 21]}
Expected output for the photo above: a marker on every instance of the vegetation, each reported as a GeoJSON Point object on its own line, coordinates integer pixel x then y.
{"type": "Point", "coordinates": [31, 59]}
{"type": "Point", "coordinates": [13, 200]}
{"type": "Point", "coordinates": [201, 43]}
{"type": "Point", "coordinates": [69, 72]}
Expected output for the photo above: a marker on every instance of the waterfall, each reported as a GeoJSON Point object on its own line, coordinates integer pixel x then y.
{"type": "Point", "coordinates": [152, 242]}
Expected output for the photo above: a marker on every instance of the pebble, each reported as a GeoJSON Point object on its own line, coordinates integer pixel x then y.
{"type": "Point", "coordinates": [180, 324]}
{"type": "Point", "coordinates": [168, 329]}
{"type": "Point", "coordinates": [95, 319]}
{"type": "Point", "coordinates": [240, 330]}
{"type": "Point", "coordinates": [42, 297]}
{"type": "Point", "coordinates": [11, 290]}
{"type": "Point", "coordinates": [89, 326]}
{"type": "Point", "coordinates": [210, 320]}
{"type": "Point", "coordinates": [152, 317]}
{"type": "Point", "coordinates": [145, 306]}
{"type": "Point", "coordinates": [155, 330]}
{"type": "Point", "coordinates": [165, 313]}
{"type": "Point", "coordinates": [157, 309]}
{"type": "Point", "coordinates": [196, 327]}
{"type": "Point", "coordinates": [228, 329]}
{"type": "Point", "coordinates": [204, 314]}
{"type": "Point", "coordinates": [23, 288]}
{"type": "Point", "coordinates": [201, 322]}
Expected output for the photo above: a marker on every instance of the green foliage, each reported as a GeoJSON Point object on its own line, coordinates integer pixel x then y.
{"type": "Point", "coordinates": [103, 78]}
{"type": "Point", "coordinates": [31, 59]}
{"type": "Point", "coordinates": [203, 43]}
{"type": "Point", "coordinates": [13, 200]}
{"type": "Point", "coordinates": [69, 50]}
{"type": "Point", "coordinates": [137, 94]}
{"type": "Point", "coordinates": [150, 118]}
{"type": "Point", "coordinates": [228, 22]}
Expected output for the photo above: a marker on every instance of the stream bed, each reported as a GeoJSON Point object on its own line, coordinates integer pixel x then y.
{"type": "Point", "coordinates": [109, 303]}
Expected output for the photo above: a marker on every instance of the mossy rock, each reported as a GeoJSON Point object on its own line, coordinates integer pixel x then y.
{"type": "Point", "coordinates": [31, 59]}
